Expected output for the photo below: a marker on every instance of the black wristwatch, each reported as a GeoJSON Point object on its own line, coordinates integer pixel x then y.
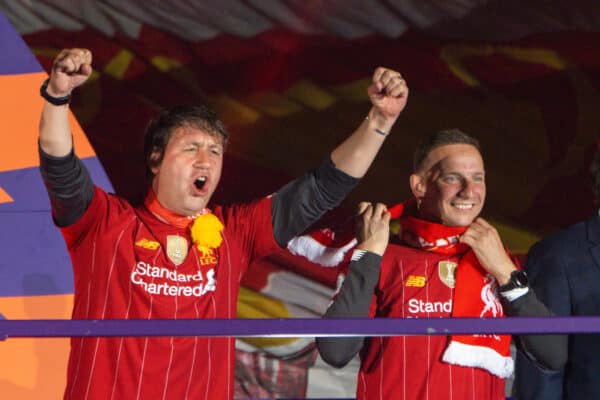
{"type": "Point", "coordinates": [518, 279]}
{"type": "Point", "coordinates": [57, 101]}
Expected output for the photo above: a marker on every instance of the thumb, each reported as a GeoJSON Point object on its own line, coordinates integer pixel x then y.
{"type": "Point", "coordinates": [86, 69]}
{"type": "Point", "coordinates": [386, 216]}
{"type": "Point", "coordinates": [362, 207]}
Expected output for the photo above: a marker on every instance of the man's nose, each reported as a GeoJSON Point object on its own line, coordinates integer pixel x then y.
{"type": "Point", "coordinates": [202, 158]}
{"type": "Point", "coordinates": [467, 188]}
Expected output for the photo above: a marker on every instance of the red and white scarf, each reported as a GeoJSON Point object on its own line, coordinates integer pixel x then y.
{"type": "Point", "coordinates": [475, 292]}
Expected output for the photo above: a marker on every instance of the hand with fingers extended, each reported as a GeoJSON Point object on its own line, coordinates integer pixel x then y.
{"type": "Point", "coordinates": [71, 68]}
{"type": "Point", "coordinates": [388, 93]}
{"type": "Point", "coordinates": [372, 227]}
{"type": "Point", "coordinates": [485, 241]}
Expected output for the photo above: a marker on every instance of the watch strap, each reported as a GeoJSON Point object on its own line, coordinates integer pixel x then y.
{"type": "Point", "coordinates": [57, 101]}
{"type": "Point", "coordinates": [518, 279]}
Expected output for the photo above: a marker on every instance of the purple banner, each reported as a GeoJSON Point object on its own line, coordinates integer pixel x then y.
{"type": "Point", "coordinates": [15, 57]}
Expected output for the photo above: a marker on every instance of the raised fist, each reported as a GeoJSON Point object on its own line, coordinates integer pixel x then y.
{"type": "Point", "coordinates": [71, 68]}
{"type": "Point", "coordinates": [372, 227]}
{"type": "Point", "coordinates": [388, 93]}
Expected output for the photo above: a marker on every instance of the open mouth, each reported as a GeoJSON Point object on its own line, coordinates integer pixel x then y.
{"type": "Point", "coordinates": [200, 182]}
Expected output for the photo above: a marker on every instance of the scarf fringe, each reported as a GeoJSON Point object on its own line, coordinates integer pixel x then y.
{"type": "Point", "coordinates": [317, 253]}
{"type": "Point", "coordinates": [468, 355]}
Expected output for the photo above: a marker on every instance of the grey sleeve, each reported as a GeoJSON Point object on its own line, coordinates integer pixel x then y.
{"type": "Point", "coordinates": [68, 184]}
{"type": "Point", "coordinates": [303, 201]}
{"type": "Point", "coordinates": [549, 351]}
{"type": "Point", "coordinates": [353, 301]}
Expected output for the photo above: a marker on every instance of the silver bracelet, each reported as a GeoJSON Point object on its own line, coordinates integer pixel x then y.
{"type": "Point", "coordinates": [377, 130]}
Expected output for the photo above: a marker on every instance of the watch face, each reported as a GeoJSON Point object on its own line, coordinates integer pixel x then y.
{"type": "Point", "coordinates": [519, 278]}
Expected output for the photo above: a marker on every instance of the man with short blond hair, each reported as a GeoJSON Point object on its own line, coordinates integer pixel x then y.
{"type": "Point", "coordinates": [445, 261]}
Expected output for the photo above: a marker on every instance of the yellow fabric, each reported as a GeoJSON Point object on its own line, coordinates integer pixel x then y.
{"type": "Point", "coordinates": [253, 304]}
{"type": "Point", "coordinates": [206, 232]}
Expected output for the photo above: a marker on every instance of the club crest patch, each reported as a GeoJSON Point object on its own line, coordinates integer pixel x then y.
{"type": "Point", "coordinates": [447, 273]}
{"type": "Point", "coordinates": [177, 248]}
{"type": "Point", "coordinates": [207, 256]}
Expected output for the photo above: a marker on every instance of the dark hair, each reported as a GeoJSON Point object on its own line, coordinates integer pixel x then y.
{"type": "Point", "coordinates": [441, 138]}
{"type": "Point", "coordinates": [161, 128]}
{"type": "Point", "coordinates": [595, 173]}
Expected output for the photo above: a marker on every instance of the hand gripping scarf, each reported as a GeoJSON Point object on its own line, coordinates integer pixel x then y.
{"type": "Point", "coordinates": [475, 293]}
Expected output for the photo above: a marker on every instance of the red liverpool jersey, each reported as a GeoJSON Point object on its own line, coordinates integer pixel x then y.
{"type": "Point", "coordinates": [129, 265]}
{"type": "Point", "coordinates": [417, 284]}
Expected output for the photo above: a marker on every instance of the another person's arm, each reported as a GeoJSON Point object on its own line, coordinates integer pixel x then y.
{"type": "Point", "coordinates": [548, 350]}
{"type": "Point", "coordinates": [547, 279]}
{"type": "Point", "coordinates": [303, 201]}
{"type": "Point", "coordinates": [356, 293]}
{"type": "Point", "coordinates": [68, 183]}
{"type": "Point", "coordinates": [546, 272]}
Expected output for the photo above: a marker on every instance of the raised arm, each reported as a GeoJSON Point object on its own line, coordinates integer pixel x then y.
{"type": "Point", "coordinates": [67, 181]}
{"type": "Point", "coordinates": [303, 201]}
{"type": "Point", "coordinates": [388, 93]}
{"type": "Point", "coordinates": [356, 293]}
{"type": "Point", "coordinates": [71, 68]}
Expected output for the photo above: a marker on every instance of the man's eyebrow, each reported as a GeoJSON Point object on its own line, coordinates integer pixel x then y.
{"type": "Point", "coordinates": [443, 172]}
{"type": "Point", "coordinates": [197, 143]}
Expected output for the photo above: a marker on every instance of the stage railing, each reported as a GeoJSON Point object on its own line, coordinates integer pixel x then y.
{"type": "Point", "coordinates": [298, 327]}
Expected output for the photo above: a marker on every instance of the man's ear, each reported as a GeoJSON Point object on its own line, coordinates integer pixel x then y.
{"type": "Point", "coordinates": [154, 160]}
{"type": "Point", "coordinates": [418, 186]}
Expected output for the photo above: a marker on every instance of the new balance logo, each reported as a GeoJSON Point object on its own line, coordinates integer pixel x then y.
{"type": "Point", "coordinates": [415, 281]}
{"type": "Point", "coordinates": [147, 244]}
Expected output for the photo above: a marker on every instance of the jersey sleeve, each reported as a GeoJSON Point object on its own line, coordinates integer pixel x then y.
{"type": "Point", "coordinates": [249, 226]}
{"type": "Point", "coordinates": [102, 209]}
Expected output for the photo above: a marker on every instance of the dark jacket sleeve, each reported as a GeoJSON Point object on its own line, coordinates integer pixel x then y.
{"type": "Point", "coordinates": [69, 186]}
{"type": "Point", "coordinates": [547, 277]}
{"type": "Point", "coordinates": [303, 201]}
{"type": "Point", "coordinates": [534, 383]}
{"type": "Point", "coordinates": [549, 351]}
{"type": "Point", "coordinates": [352, 301]}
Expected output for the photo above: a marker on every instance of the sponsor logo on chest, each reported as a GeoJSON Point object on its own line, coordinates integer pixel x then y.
{"type": "Point", "coordinates": [418, 306]}
{"type": "Point", "coordinates": [194, 279]}
{"type": "Point", "coordinates": [168, 282]}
